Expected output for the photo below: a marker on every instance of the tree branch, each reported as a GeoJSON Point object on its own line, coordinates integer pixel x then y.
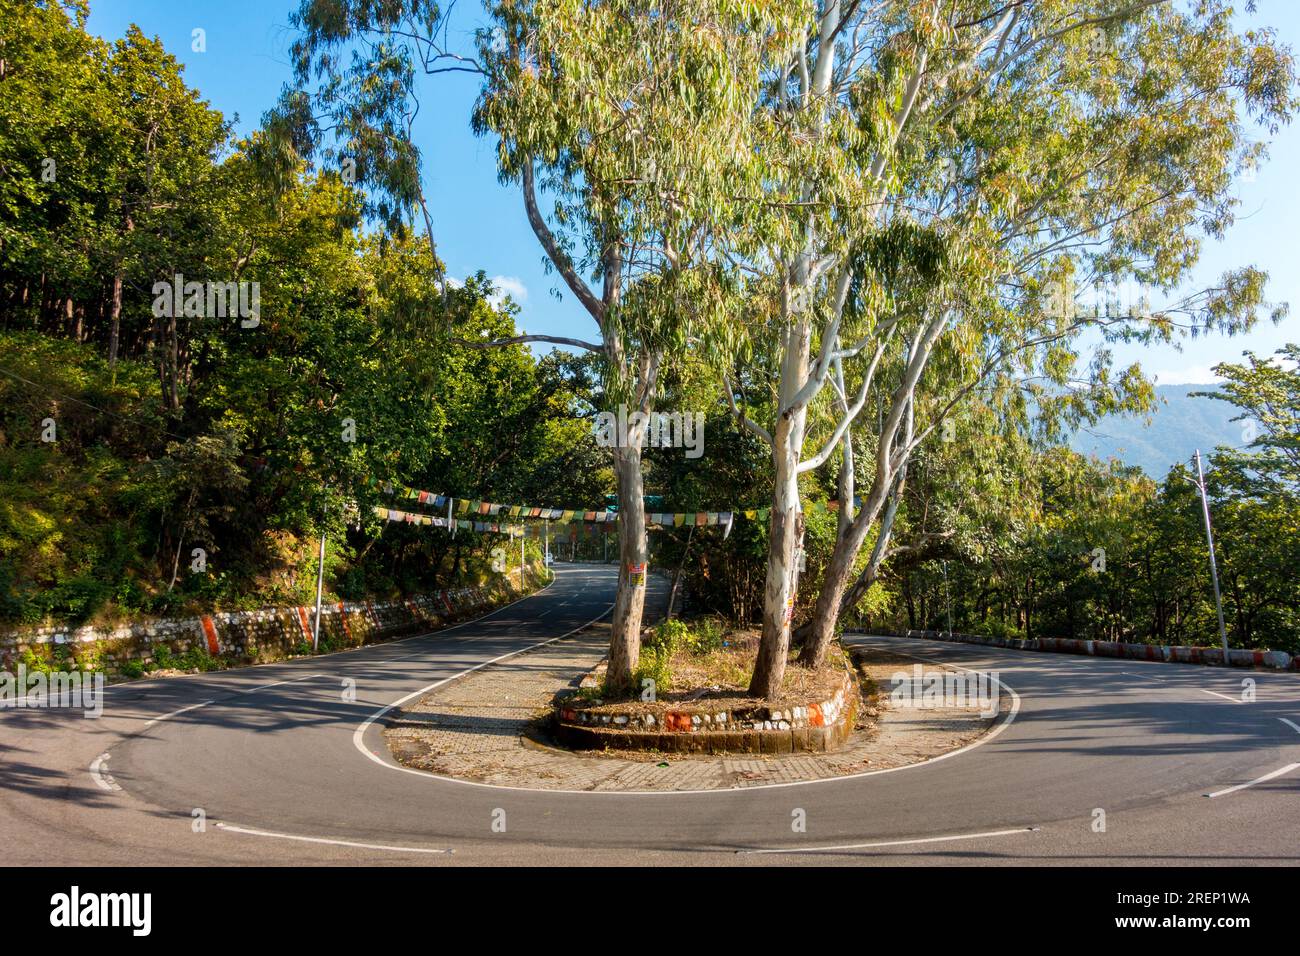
{"type": "Point", "coordinates": [558, 256]}
{"type": "Point", "coordinates": [520, 339]}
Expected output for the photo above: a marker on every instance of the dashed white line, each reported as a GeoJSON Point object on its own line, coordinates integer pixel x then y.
{"type": "Point", "coordinates": [887, 843]}
{"type": "Point", "coordinates": [1268, 776]}
{"type": "Point", "coordinates": [239, 693]}
{"type": "Point", "coordinates": [176, 713]}
{"type": "Point", "coordinates": [1231, 700]}
{"type": "Point", "coordinates": [277, 683]}
{"type": "Point", "coordinates": [306, 839]}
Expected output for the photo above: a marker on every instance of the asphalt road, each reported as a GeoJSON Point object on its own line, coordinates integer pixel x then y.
{"type": "Point", "coordinates": [287, 765]}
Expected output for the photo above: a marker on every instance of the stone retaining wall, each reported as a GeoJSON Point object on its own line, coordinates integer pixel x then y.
{"type": "Point", "coordinates": [1237, 657]}
{"type": "Point", "coordinates": [702, 727]}
{"type": "Point", "coordinates": [255, 636]}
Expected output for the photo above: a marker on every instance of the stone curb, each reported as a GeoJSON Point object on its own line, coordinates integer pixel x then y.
{"type": "Point", "coordinates": [274, 632]}
{"type": "Point", "coordinates": [816, 727]}
{"type": "Point", "coordinates": [1211, 656]}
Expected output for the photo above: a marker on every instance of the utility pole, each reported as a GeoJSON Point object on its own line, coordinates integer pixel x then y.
{"type": "Point", "coordinates": [320, 583]}
{"type": "Point", "coordinates": [947, 597]}
{"type": "Point", "coordinates": [1214, 567]}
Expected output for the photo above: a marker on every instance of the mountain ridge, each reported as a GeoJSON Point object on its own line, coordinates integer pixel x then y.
{"type": "Point", "coordinates": [1180, 423]}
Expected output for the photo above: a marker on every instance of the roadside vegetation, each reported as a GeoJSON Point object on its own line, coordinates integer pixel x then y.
{"type": "Point", "coordinates": [878, 247]}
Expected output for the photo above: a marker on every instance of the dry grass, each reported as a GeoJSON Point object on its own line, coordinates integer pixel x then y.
{"type": "Point", "coordinates": [720, 680]}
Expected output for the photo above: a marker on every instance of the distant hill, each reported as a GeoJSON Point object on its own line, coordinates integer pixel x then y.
{"type": "Point", "coordinates": [1179, 425]}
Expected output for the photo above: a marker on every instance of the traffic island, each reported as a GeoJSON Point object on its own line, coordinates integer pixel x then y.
{"type": "Point", "coordinates": [494, 725]}
{"type": "Point", "coordinates": [818, 717]}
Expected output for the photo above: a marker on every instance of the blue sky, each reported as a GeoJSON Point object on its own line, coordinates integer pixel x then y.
{"type": "Point", "coordinates": [480, 224]}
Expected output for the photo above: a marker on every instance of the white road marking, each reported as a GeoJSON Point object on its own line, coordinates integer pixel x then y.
{"type": "Point", "coordinates": [176, 713]}
{"type": "Point", "coordinates": [1291, 723]}
{"type": "Point", "coordinates": [306, 839]}
{"type": "Point", "coordinates": [105, 781]}
{"type": "Point", "coordinates": [1231, 700]}
{"type": "Point", "coordinates": [360, 732]}
{"type": "Point", "coordinates": [144, 682]}
{"type": "Point", "coordinates": [99, 773]}
{"type": "Point", "coordinates": [277, 683]}
{"type": "Point", "coordinates": [1144, 676]}
{"type": "Point", "coordinates": [359, 743]}
{"type": "Point", "coordinates": [872, 846]}
{"type": "Point", "coordinates": [239, 693]}
{"type": "Point", "coordinates": [1268, 776]}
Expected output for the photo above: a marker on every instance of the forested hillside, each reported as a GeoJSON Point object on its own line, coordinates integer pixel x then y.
{"type": "Point", "coordinates": [1183, 419]}
{"type": "Point", "coordinates": [158, 455]}
{"type": "Point", "coordinates": [129, 438]}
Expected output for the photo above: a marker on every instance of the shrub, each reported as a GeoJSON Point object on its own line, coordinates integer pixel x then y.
{"type": "Point", "coordinates": [131, 669]}
{"type": "Point", "coordinates": [705, 637]}
{"type": "Point", "coordinates": [667, 637]}
{"type": "Point", "coordinates": [1002, 630]}
{"type": "Point", "coordinates": [655, 665]}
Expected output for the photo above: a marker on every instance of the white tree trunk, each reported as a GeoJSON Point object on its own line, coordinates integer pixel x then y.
{"type": "Point", "coordinates": [786, 529]}
{"type": "Point", "coordinates": [629, 602]}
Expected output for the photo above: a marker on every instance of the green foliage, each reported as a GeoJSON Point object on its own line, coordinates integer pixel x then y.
{"type": "Point", "coordinates": [1102, 552]}
{"type": "Point", "coordinates": [200, 433]}
{"type": "Point", "coordinates": [655, 664]}
{"type": "Point", "coordinates": [132, 669]}
{"type": "Point", "coordinates": [667, 636]}
{"type": "Point", "coordinates": [194, 659]}
{"type": "Point", "coordinates": [699, 637]}
{"type": "Point", "coordinates": [706, 636]}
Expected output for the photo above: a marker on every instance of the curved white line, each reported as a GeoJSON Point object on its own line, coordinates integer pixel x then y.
{"type": "Point", "coordinates": [306, 839]}
{"type": "Point", "coordinates": [99, 773]}
{"type": "Point", "coordinates": [359, 734]}
{"type": "Point", "coordinates": [868, 846]}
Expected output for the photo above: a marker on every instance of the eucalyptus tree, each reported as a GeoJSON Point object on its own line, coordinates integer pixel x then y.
{"type": "Point", "coordinates": [945, 177]}
{"type": "Point", "coordinates": [636, 116]}
{"type": "Point", "coordinates": [628, 118]}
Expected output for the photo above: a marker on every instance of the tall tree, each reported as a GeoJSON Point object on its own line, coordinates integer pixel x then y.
{"type": "Point", "coordinates": [962, 164]}
{"type": "Point", "coordinates": [628, 112]}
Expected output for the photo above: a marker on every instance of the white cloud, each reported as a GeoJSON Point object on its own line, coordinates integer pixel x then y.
{"type": "Point", "coordinates": [508, 285]}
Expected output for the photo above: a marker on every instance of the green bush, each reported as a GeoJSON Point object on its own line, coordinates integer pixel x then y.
{"type": "Point", "coordinates": [1002, 630]}
{"type": "Point", "coordinates": [702, 637]}
{"type": "Point", "coordinates": [132, 669]}
{"type": "Point", "coordinates": [655, 665]}
{"type": "Point", "coordinates": [194, 659]}
{"type": "Point", "coordinates": [705, 637]}
{"type": "Point", "coordinates": [667, 637]}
